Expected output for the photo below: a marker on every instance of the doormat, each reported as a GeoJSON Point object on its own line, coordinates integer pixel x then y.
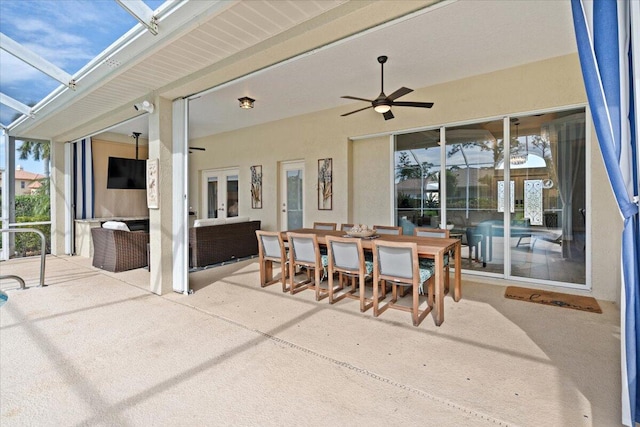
{"type": "Point", "coordinates": [576, 302]}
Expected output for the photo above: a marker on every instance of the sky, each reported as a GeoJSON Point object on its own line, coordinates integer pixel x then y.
{"type": "Point", "coordinates": [67, 33]}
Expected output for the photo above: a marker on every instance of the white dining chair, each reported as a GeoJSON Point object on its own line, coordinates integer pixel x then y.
{"type": "Point", "coordinates": [304, 252]}
{"type": "Point", "coordinates": [388, 229]}
{"type": "Point", "coordinates": [271, 249]}
{"type": "Point", "coordinates": [346, 258]}
{"type": "Point", "coordinates": [427, 263]}
{"type": "Point", "coordinates": [397, 263]}
{"type": "Point", "coordinates": [325, 226]}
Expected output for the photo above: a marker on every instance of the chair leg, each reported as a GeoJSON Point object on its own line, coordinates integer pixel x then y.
{"type": "Point", "coordinates": [284, 273]}
{"type": "Point", "coordinates": [320, 291]}
{"type": "Point", "coordinates": [415, 303]}
{"type": "Point", "coordinates": [446, 278]}
{"type": "Point", "coordinates": [294, 287]}
{"type": "Point", "coordinates": [377, 310]}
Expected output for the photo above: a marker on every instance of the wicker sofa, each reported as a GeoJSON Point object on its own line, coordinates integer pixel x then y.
{"type": "Point", "coordinates": [118, 250]}
{"type": "Point", "coordinates": [216, 241]}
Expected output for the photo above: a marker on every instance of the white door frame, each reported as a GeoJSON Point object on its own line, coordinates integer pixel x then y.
{"type": "Point", "coordinates": [221, 174]}
{"type": "Point", "coordinates": [282, 206]}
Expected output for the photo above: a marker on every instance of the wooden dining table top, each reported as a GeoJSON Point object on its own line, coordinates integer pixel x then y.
{"type": "Point", "coordinates": [428, 247]}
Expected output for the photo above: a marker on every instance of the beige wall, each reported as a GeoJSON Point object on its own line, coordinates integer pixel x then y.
{"type": "Point", "coordinates": [362, 167]}
{"type": "Point", "coordinates": [115, 202]}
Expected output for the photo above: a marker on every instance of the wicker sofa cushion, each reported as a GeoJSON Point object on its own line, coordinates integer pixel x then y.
{"type": "Point", "coordinates": [116, 225]}
{"type": "Point", "coordinates": [208, 221]}
{"type": "Point", "coordinates": [236, 219]}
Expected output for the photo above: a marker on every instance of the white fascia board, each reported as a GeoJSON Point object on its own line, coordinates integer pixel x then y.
{"type": "Point", "coordinates": [133, 47]}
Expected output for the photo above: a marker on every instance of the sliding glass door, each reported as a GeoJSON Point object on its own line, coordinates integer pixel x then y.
{"type": "Point", "coordinates": [548, 232]}
{"type": "Point", "coordinates": [531, 225]}
{"type": "Point", "coordinates": [475, 189]}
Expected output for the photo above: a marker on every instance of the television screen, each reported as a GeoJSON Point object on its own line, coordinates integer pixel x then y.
{"type": "Point", "coordinates": [126, 173]}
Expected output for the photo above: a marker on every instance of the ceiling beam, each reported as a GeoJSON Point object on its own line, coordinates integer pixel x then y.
{"type": "Point", "coordinates": [27, 55]}
{"type": "Point", "coordinates": [143, 13]}
{"type": "Point", "coordinates": [15, 104]}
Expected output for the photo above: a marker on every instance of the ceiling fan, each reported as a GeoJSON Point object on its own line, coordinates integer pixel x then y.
{"type": "Point", "coordinates": [383, 103]}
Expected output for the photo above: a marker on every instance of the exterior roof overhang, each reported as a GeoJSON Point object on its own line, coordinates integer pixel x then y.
{"type": "Point", "coordinates": [199, 44]}
{"type": "Point", "coordinates": [211, 44]}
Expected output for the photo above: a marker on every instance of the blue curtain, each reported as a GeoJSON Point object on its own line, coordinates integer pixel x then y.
{"type": "Point", "coordinates": [606, 49]}
{"type": "Point", "coordinates": [83, 179]}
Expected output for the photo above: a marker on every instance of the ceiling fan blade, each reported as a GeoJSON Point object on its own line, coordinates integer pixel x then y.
{"type": "Point", "coordinates": [388, 115]}
{"type": "Point", "coordinates": [361, 109]}
{"type": "Point", "coordinates": [400, 92]}
{"type": "Point", "coordinates": [356, 98]}
{"type": "Point", "coordinates": [414, 104]}
{"type": "Point", "coordinates": [197, 148]}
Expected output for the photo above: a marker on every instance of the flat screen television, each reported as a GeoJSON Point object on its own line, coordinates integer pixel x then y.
{"type": "Point", "coordinates": [127, 174]}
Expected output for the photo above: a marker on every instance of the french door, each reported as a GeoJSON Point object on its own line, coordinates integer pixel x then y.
{"type": "Point", "coordinates": [220, 193]}
{"type": "Point", "coordinates": [291, 195]}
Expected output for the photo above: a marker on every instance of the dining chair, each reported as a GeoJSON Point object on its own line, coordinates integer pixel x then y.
{"type": "Point", "coordinates": [346, 227]}
{"type": "Point", "coordinates": [430, 232]}
{"type": "Point", "coordinates": [428, 263]}
{"type": "Point", "coordinates": [474, 240]}
{"type": "Point", "coordinates": [304, 252]}
{"type": "Point", "coordinates": [331, 226]}
{"type": "Point", "coordinates": [325, 226]}
{"type": "Point", "coordinates": [271, 249]}
{"type": "Point", "coordinates": [397, 263]}
{"type": "Point", "coordinates": [346, 257]}
{"type": "Point", "coordinates": [388, 229]}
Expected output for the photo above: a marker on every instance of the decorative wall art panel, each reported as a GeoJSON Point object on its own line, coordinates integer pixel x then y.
{"type": "Point", "coordinates": [512, 190]}
{"type": "Point", "coordinates": [533, 200]}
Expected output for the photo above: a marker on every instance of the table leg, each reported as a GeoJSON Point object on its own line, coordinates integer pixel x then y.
{"type": "Point", "coordinates": [457, 289]}
{"type": "Point", "coordinates": [439, 300]}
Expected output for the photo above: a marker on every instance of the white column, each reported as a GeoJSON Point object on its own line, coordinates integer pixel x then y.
{"type": "Point", "coordinates": [69, 232]}
{"type": "Point", "coordinates": [9, 194]}
{"type": "Point", "coordinates": [161, 219]}
{"type": "Point", "coordinates": [180, 190]}
{"type": "Point", "coordinates": [58, 198]}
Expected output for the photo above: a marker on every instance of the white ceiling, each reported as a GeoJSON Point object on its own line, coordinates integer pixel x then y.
{"type": "Point", "coordinates": [447, 42]}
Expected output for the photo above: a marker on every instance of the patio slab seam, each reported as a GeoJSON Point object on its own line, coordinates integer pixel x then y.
{"type": "Point", "coordinates": [351, 367]}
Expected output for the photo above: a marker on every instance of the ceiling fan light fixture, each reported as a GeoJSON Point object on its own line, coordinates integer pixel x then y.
{"type": "Point", "coordinates": [383, 103]}
{"type": "Point", "coordinates": [382, 108]}
{"type": "Point", "coordinates": [246, 102]}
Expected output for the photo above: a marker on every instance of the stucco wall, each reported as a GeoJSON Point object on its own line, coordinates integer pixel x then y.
{"type": "Point", "coordinates": [362, 166]}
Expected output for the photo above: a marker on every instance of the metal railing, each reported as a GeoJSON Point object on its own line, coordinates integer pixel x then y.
{"type": "Point", "coordinates": [43, 254]}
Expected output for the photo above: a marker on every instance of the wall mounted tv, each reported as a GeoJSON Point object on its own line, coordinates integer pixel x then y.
{"type": "Point", "coordinates": [127, 174]}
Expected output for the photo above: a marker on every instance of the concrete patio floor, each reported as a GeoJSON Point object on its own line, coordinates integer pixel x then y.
{"type": "Point", "coordinates": [97, 348]}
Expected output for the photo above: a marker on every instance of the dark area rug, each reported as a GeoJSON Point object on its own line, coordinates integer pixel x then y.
{"type": "Point", "coordinates": [576, 302]}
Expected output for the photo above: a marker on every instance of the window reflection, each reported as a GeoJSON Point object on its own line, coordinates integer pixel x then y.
{"type": "Point", "coordinates": [545, 238]}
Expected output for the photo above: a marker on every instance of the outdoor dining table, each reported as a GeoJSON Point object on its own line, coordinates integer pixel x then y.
{"type": "Point", "coordinates": [428, 247]}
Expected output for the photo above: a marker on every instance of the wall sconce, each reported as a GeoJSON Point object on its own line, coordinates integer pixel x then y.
{"type": "Point", "coordinates": [246, 102]}
{"type": "Point", "coordinates": [144, 106]}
